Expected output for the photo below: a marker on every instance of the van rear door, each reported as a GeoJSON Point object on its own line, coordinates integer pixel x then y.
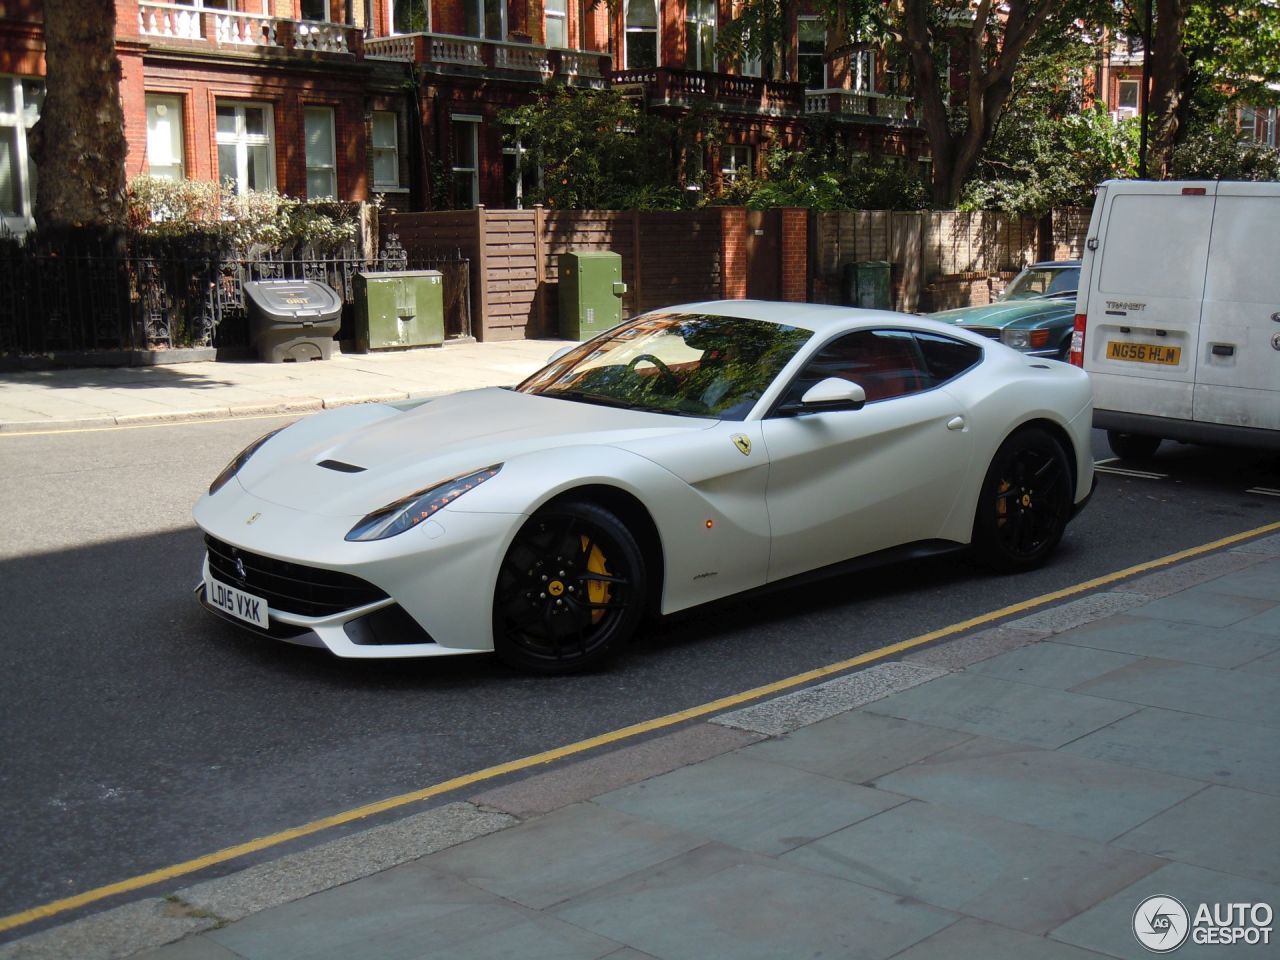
{"type": "Point", "coordinates": [1144, 308]}
{"type": "Point", "coordinates": [1238, 355]}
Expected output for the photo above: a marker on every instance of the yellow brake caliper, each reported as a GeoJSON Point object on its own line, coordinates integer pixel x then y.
{"type": "Point", "coordinates": [1002, 504]}
{"type": "Point", "coordinates": [597, 590]}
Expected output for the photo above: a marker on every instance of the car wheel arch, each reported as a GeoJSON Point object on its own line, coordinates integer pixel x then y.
{"type": "Point", "coordinates": [628, 508]}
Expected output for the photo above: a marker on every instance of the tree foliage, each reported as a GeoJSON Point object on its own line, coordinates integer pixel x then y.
{"type": "Point", "coordinates": [1215, 152]}
{"type": "Point", "coordinates": [598, 150]}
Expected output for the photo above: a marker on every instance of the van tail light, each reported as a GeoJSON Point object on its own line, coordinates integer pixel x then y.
{"type": "Point", "coordinates": [1077, 342]}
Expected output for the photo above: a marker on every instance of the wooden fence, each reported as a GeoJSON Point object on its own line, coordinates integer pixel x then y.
{"type": "Point", "coordinates": [515, 258]}
{"type": "Point", "coordinates": [939, 258]}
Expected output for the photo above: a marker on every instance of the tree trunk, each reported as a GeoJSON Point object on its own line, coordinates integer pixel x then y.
{"type": "Point", "coordinates": [78, 144]}
{"type": "Point", "coordinates": [1168, 76]}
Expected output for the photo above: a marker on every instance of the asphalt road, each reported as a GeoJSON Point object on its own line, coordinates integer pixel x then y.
{"type": "Point", "coordinates": [137, 731]}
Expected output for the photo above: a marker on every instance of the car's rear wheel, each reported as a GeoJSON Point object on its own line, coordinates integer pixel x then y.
{"type": "Point", "coordinates": [1132, 446]}
{"type": "Point", "coordinates": [1025, 502]}
{"type": "Point", "coordinates": [571, 590]}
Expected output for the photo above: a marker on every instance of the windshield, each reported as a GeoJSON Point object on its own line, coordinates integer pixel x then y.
{"type": "Point", "coordinates": [1044, 282]}
{"type": "Point", "coordinates": [686, 364]}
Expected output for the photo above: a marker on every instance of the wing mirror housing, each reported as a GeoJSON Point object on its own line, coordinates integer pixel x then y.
{"type": "Point", "coordinates": [560, 353]}
{"type": "Point", "coordinates": [833, 393]}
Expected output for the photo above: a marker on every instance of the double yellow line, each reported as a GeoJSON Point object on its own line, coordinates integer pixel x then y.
{"type": "Point", "coordinates": [615, 736]}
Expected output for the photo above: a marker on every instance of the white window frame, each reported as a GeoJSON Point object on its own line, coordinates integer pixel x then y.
{"type": "Point", "coordinates": [478, 9]}
{"type": "Point", "coordinates": [730, 167]}
{"type": "Point", "coordinates": [241, 139]}
{"type": "Point", "coordinates": [560, 16]}
{"type": "Point", "coordinates": [520, 152]}
{"type": "Point", "coordinates": [20, 120]}
{"type": "Point", "coordinates": [826, 67]}
{"type": "Point", "coordinates": [473, 125]}
{"type": "Point", "coordinates": [162, 105]}
{"type": "Point", "coordinates": [862, 70]}
{"type": "Point", "coordinates": [1123, 111]}
{"type": "Point", "coordinates": [391, 150]}
{"type": "Point", "coordinates": [654, 31]}
{"type": "Point", "coordinates": [321, 165]}
{"type": "Point", "coordinates": [701, 25]}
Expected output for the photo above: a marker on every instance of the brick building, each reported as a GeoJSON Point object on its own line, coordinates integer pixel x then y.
{"type": "Point", "coordinates": [351, 98]}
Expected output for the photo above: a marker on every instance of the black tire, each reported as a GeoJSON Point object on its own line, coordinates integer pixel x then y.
{"type": "Point", "coordinates": [1132, 446]}
{"type": "Point", "coordinates": [571, 590]}
{"type": "Point", "coordinates": [1025, 502]}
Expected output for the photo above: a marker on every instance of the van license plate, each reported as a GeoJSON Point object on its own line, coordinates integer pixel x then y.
{"type": "Point", "coordinates": [1143, 352]}
{"type": "Point", "coordinates": [241, 605]}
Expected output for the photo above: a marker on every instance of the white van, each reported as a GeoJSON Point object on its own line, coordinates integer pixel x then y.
{"type": "Point", "coordinates": [1178, 313]}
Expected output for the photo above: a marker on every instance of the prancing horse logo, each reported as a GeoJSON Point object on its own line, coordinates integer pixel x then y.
{"type": "Point", "coordinates": [743, 443]}
{"type": "Point", "coordinates": [253, 518]}
{"type": "Point", "coordinates": [240, 571]}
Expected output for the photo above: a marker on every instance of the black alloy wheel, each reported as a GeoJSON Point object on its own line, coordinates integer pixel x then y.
{"type": "Point", "coordinates": [1025, 502]}
{"type": "Point", "coordinates": [571, 590]}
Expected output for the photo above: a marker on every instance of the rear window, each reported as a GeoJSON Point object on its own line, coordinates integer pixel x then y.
{"type": "Point", "coordinates": [945, 358]}
{"type": "Point", "coordinates": [1155, 246]}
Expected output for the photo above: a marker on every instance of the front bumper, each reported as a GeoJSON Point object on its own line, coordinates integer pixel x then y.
{"type": "Point", "coordinates": [431, 589]}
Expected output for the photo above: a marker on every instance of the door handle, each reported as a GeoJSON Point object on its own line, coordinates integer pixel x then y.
{"type": "Point", "coordinates": [955, 423]}
{"type": "Point", "coordinates": [1223, 349]}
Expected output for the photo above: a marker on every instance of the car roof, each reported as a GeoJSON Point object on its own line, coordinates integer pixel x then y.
{"type": "Point", "coordinates": [819, 317]}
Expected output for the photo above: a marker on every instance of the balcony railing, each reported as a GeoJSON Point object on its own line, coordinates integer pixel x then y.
{"type": "Point", "coordinates": [856, 104]}
{"type": "Point", "coordinates": [668, 85]}
{"type": "Point", "coordinates": [236, 30]}
{"type": "Point", "coordinates": [475, 55]}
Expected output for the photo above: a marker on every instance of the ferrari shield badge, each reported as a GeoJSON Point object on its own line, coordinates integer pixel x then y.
{"type": "Point", "coordinates": [743, 443]}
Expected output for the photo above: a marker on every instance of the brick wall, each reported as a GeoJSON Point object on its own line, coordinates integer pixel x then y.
{"type": "Point", "coordinates": [794, 285]}
{"type": "Point", "coordinates": [733, 253]}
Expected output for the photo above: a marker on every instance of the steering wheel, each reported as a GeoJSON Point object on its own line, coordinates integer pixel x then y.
{"type": "Point", "coordinates": [669, 379]}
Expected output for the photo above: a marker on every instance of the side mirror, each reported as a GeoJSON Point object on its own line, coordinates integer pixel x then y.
{"type": "Point", "coordinates": [560, 353]}
{"type": "Point", "coordinates": [833, 393]}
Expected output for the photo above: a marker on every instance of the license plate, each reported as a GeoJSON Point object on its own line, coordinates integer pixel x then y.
{"type": "Point", "coordinates": [241, 605]}
{"type": "Point", "coordinates": [1143, 352]}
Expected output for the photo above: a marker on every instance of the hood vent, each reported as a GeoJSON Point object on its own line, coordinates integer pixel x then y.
{"type": "Point", "coordinates": [340, 466]}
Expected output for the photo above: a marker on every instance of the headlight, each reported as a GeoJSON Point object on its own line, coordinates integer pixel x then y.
{"type": "Point", "coordinates": [232, 468]}
{"type": "Point", "coordinates": [408, 512]}
{"type": "Point", "coordinates": [1018, 339]}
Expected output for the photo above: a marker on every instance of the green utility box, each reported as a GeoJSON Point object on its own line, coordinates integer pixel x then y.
{"type": "Point", "coordinates": [867, 284]}
{"type": "Point", "coordinates": [399, 308]}
{"type": "Point", "coordinates": [591, 290]}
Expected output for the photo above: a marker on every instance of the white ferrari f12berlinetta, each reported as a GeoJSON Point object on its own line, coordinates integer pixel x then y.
{"type": "Point", "coordinates": [685, 455]}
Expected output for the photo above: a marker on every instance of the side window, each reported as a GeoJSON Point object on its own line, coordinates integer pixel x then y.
{"type": "Point", "coordinates": [945, 358]}
{"type": "Point", "coordinates": [885, 363]}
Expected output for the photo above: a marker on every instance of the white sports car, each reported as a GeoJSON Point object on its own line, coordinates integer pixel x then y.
{"type": "Point", "coordinates": [683, 456]}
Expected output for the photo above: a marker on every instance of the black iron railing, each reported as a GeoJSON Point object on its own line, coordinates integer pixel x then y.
{"type": "Point", "coordinates": [52, 303]}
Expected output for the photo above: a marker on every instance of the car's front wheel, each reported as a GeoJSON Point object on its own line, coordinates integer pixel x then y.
{"type": "Point", "coordinates": [571, 590]}
{"type": "Point", "coordinates": [1025, 502]}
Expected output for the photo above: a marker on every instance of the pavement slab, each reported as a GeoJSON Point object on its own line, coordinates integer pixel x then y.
{"type": "Point", "coordinates": [1107, 927]}
{"type": "Point", "coordinates": [750, 803]}
{"type": "Point", "coordinates": [1056, 665]}
{"type": "Point", "coordinates": [970, 939]}
{"type": "Point", "coordinates": [1145, 637]}
{"type": "Point", "coordinates": [857, 746]}
{"type": "Point", "coordinates": [1188, 745]}
{"type": "Point", "coordinates": [1017, 876]}
{"type": "Point", "coordinates": [1003, 710]}
{"type": "Point", "coordinates": [1190, 574]}
{"type": "Point", "coordinates": [1204, 606]}
{"type": "Point", "coordinates": [1064, 616]}
{"type": "Point", "coordinates": [1226, 694]}
{"type": "Point", "coordinates": [976, 647]}
{"type": "Point", "coordinates": [1041, 788]}
{"type": "Point", "coordinates": [1234, 831]}
{"type": "Point", "coordinates": [559, 856]}
{"type": "Point", "coordinates": [720, 903]}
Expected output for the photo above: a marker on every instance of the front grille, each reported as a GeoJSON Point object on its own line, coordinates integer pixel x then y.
{"type": "Point", "coordinates": [289, 587]}
{"type": "Point", "coordinates": [992, 333]}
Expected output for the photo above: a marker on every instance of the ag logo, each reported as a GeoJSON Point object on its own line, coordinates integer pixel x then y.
{"type": "Point", "coordinates": [743, 443]}
{"type": "Point", "coordinates": [1161, 924]}
{"type": "Point", "coordinates": [253, 518]}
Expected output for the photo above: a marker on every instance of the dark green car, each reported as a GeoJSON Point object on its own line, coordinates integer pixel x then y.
{"type": "Point", "coordinates": [1035, 313]}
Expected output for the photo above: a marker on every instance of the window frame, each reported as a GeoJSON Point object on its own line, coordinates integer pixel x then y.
{"type": "Point", "coordinates": [629, 30]}
{"type": "Point", "coordinates": [1121, 108]}
{"type": "Point", "coordinates": [728, 151]}
{"type": "Point", "coordinates": [559, 16]}
{"type": "Point", "coordinates": [423, 5]}
{"type": "Point", "coordinates": [242, 140]}
{"type": "Point", "coordinates": [392, 150]}
{"type": "Point", "coordinates": [801, 56]}
{"type": "Point", "coordinates": [696, 18]}
{"type": "Point", "coordinates": [20, 122]}
{"type": "Point", "coordinates": [472, 123]}
{"type": "Point", "coordinates": [331, 167]}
